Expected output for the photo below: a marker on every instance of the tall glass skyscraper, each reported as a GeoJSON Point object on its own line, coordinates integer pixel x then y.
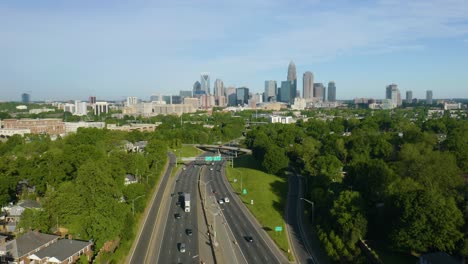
{"type": "Point", "coordinates": [242, 95]}
{"type": "Point", "coordinates": [308, 85]}
{"type": "Point", "coordinates": [287, 92]}
{"type": "Point", "coordinates": [205, 82]}
{"type": "Point", "coordinates": [319, 91]}
{"type": "Point", "coordinates": [292, 71]}
{"type": "Point", "coordinates": [331, 92]}
{"type": "Point", "coordinates": [409, 97]}
{"type": "Point", "coordinates": [270, 91]}
{"type": "Point", "coordinates": [219, 88]}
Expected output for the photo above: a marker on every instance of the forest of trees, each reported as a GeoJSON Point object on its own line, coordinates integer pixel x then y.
{"type": "Point", "coordinates": [79, 179]}
{"type": "Point", "coordinates": [395, 176]}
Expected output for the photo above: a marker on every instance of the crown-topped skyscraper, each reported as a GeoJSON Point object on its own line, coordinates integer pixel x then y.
{"type": "Point", "coordinates": [292, 72]}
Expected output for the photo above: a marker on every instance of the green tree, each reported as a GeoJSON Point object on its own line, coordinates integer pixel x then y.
{"type": "Point", "coordinates": [427, 221]}
{"type": "Point", "coordinates": [275, 159]}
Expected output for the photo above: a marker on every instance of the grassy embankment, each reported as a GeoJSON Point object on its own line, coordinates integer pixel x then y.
{"type": "Point", "coordinates": [268, 193]}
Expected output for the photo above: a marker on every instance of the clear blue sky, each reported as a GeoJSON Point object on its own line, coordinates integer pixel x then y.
{"type": "Point", "coordinates": [61, 50]}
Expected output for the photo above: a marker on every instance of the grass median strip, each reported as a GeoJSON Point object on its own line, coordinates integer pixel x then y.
{"type": "Point", "coordinates": [268, 194]}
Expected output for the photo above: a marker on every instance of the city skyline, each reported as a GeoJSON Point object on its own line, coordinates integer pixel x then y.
{"type": "Point", "coordinates": [63, 50]}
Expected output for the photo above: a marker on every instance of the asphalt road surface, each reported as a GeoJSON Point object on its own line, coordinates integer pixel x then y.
{"type": "Point", "coordinates": [175, 229]}
{"type": "Point", "coordinates": [253, 252]}
{"type": "Point", "coordinates": [143, 250]}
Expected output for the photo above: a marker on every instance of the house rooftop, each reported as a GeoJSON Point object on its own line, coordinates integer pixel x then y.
{"type": "Point", "coordinates": [29, 204]}
{"type": "Point", "coordinates": [28, 242]}
{"type": "Point", "coordinates": [62, 249]}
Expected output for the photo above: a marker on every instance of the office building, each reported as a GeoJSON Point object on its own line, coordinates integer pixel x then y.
{"type": "Point", "coordinates": [185, 94]}
{"type": "Point", "coordinates": [242, 96]}
{"type": "Point", "coordinates": [331, 92]}
{"type": "Point", "coordinates": [51, 126]}
{"type": "Point", "coordinates": [409, 97]}
{"type": "Point", "coordinates": [205, 82]}
{"type": "Point", "coordinates": [319, 91]}
{"type": "Point", "coordinates": [308, 85]}
{"type": "Point", "coordinates": [429, 97]}
{"type": "Point", "coordinates": [218, 87]}
{"type": "Point", "coordinates": [92, 100]}
{"type": "Point", "coordinates": [155, 98]}
{"type": "Point", "coordinates": [25, 98]}
{"type": "Point", "coordinates": [231, 95]}
{"type": "Point", "coordinates": [101, 108]}
{"type": "Point", "coordinates": [132, 100]}
{"type": "Point", "coordinates": [287, 92]}
{"type": "Point", "coordinates": [292, 77]}
{"type": "Point", "coordinates": [392, 93]}
{"type": "Point", "coordinates": [270, 91]}
{"type": "Point", "coordinates": [80, 108]}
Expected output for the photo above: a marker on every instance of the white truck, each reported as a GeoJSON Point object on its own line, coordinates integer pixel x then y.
{"type": "Point", "coordinates": [187, 202]}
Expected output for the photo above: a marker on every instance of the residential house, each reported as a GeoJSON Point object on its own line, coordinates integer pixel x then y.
{"type": "Point", "coordinates": [130, 179]}
{"type": "Point", "coordinates": [65, 251]}
{"type": "Point", "coordinates": [18, 250]}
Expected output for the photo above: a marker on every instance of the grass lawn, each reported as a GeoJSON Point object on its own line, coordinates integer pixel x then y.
{"type": "Point", "coordinates": [187, 151]}
{"type": "Point", "coordinates": [268, 193]}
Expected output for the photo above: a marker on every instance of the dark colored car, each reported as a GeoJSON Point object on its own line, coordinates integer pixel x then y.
{"type": "Point", "coordinates": [180, 193]}
{"type": "Point", "coordinates": [177, 216]}
{"type": "Point", "coordinates": [249, 239]}
{"type": "Point", "coordinates": [189, 231]}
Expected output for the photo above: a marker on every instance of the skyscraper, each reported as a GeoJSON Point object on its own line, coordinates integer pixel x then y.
{"type": "Point", "coordinates": [292, 72]}
{"type": "Point", "coordinates": [409, 97]}
{"type": "Point", "coordinates": [308, 85]}
{"type": "Point", "coordinates": [331, 92]}
{"type": "Point", "coordinates": [287, 93]}
{"type": "Point", "coordinates": [319, 91]}
{"type": "Point", "coordinates": [205, 82]}
{"type": "Point", "coordinates": [92, 100]}
{"type": "Point", "coordinates": [429, 97]}
{"type": "Point", "coordinates": [25, 98]}
{"type": "Point", "coordinates": [292, 77]}
{"type": "Point", "coordinates": [242, 95]}
{"type": "Point", "coordinates": [270, 91]}
{"type": "Point", "coordinates": [218, 88]}
{"type": "Point", "coordinates": [393, 94]}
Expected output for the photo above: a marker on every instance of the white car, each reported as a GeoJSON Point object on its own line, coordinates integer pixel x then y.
{"type": "Point", "coordinates": [226, 200]}
{"type": "Point", "coordinates": [220, 201]}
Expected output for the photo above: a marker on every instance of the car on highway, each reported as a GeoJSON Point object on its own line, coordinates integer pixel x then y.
{"type": "Point", "coordinates": [220, 201]}
{"type": "Point", "coordinates": [249, 239]}
{"type": "Point", "coordinates": [177, 216]}
{"type": "Point", "coordinates": [211, 169]}
{"type": "Point", "coordinates": [189, 231]}
{"type": "Point", "coordinates": [215, 192]}
{"type": "Point", "coordinates": [182, 247]}
{"type": "Point", "coordinates": [226, 200]}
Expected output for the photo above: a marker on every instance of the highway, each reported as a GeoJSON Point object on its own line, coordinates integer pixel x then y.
{"type": "Point", "coordinates": [175, 229]}
{"type": "Point", "coordinates": [295, 208]}
{"type": "Point", "coordinates": [143, 250]}
{"type": "Point", "coordinates": [241, 226]}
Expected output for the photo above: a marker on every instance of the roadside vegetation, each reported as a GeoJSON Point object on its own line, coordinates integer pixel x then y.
{"type": "Point", "coordinates": [267, 192]}
{"type": "Point", "coordinates": [392, 177]}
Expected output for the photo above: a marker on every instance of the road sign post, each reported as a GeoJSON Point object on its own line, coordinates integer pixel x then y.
{"type": "Point", "coordinates": [244, 191]}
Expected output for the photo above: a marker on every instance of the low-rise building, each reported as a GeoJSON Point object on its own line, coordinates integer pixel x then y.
{"type": "Point", "coordinates": [72, 127]}
{"type": "Point", "coordinates": [132, 127]}
{"type": "Point", "coordinates": [51, 126]}
{"type": "Point", "coordinates": [281, 119]}
{"type": "Point", "coordinates": [8, 132]}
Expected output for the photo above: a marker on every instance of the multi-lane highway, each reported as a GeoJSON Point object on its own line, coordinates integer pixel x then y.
{"type": "Point", "coordinates": [143, 250]}
{"type": "Point", "coordinates": [241, 226]}
{"type": "Point", "coordinates": [175, 229]}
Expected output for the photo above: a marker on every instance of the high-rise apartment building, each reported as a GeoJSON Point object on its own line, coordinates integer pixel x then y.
{"type": "Point", "coordinates": [331, 92]}
{"type": "Point", "coordinates": [25, 98]}
{"type": "Point", "coordinates": [319, 91]}
{"type": "Point", "coordinates": [205, 82]}
{"type": "Point", "coordinates": [80, 108]}
{"type": "Point", "coordinates": [409, 97]}
{"type": "Point", "coordinates": [270, 91]}
{"type": "Point", "coordinates": [429, 97]}
{"type": "Point", "coordinates": [308, 85]}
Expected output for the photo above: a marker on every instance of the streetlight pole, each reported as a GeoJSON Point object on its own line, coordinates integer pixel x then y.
{"type": "Point", "coordinates": [312, 205]}
{"type": "Point", "coordinates": [133, 203]}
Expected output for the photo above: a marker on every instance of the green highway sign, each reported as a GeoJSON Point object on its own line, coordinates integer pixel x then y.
{"type": "Point", "coordinates": [208, 158]}
{"type": "Point", "coordinates": [217, 158]}
{"type": "Point", "coordinates": [278, 228]}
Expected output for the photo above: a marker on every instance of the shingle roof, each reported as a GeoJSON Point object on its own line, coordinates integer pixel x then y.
{"type": "Point", "coordinates": [28, 242]}
{"type": "Point", "coordinates": [62, 249]}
